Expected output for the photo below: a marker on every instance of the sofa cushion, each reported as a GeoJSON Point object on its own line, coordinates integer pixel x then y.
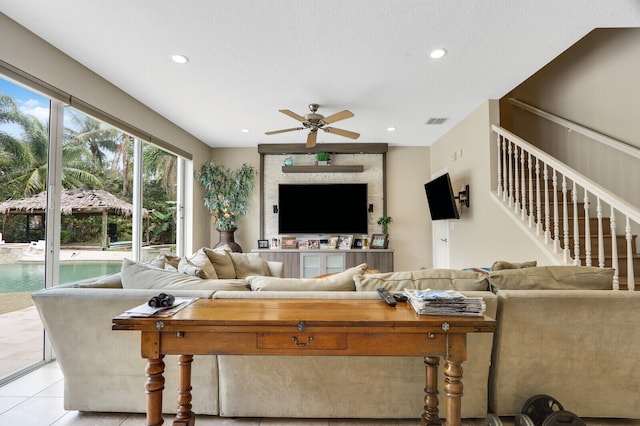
{"type": "Point", "coordinates": [501, 264]}
{"type": "Point", "coordinates": [552, 278]}
{"type": "Point", "coordinates": [342, 281]}
{"type": "Point", "coordinates": [435, 279]}
{"type": "Point", "coordinates": [139, 275]}
{"type": "Point", "coordinates": [200, 260]}
{"type": "Point", "coordinates": [221, 261]}
{"type": "Point", "coordinates": [165, 261]}
{"type": "Point", "coordinates": [247, 264]}
{"type": "Point", "coordinates": [186, 267]}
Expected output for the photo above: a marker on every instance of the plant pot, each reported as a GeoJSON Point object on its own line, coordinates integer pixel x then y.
{"type": "Point", "coordinates": [227, 238]}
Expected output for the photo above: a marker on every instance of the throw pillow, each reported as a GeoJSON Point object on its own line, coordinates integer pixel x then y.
{"type": "Point", "coordinates": [342, 281]}
{"type": "Point", "coordinates": [246, 264]}
{"type": "Point", "coordinates": [435, 279]}
{"type": "Point", "coordinates": [221, 261]}
{"type": "Point", "coordinates": [186, 267]}
{"type": "Point", "coordinates": [501, 264]}
{"type": "Point", "coordinates": [553, 278]}
{"type": "Point", "coordinates": [142, 276]}
{"type": "Point", "coordinates": [201, 260]}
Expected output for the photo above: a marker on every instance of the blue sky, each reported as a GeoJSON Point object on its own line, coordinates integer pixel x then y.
{"type": "Point", "coordinates": [27, 101]}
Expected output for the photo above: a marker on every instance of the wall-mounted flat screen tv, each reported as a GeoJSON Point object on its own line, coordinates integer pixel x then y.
{"type": "Point", "coordinates": [442, 202]}
{"type": "Point", "coordinates": [339, 208]}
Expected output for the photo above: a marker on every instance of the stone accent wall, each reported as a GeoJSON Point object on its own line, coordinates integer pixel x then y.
{"type": "Point", "coordinates": [373, 176]}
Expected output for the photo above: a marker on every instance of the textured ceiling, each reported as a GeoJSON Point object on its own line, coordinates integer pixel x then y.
{"type": "Point", "coordinates": [250, 58]}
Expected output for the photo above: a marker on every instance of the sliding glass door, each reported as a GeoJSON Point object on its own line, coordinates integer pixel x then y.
{"type": "Point", "coordinates": [77, 195]}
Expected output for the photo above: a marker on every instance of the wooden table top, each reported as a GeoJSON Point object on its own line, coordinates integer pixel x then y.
{"type": "Point", "coordinates": [217, 313]}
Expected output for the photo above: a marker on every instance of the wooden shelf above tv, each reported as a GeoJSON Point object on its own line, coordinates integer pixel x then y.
{"type": "Point", "coordinates": [323, 169]}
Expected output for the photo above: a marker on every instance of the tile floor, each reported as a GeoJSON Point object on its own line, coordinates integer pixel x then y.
{"type": "Point", "coordinates": [36, 399]}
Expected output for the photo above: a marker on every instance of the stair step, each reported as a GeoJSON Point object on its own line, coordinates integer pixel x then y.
{"type": "Point", "coordinates": [621, 244]}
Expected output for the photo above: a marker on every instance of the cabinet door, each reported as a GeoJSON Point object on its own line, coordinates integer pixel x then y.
{"type": "Point", "coordinates": [314, 264]}
{"type": "Point", "coordinates": [381, 260]}
{"type": "Point", "coordinates": [311, 265]}
{"type": "Point", "coordinates": [334, 263]}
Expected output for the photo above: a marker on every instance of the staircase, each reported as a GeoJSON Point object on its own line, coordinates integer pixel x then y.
{"type": "Point", "coordinates": [573, 219]}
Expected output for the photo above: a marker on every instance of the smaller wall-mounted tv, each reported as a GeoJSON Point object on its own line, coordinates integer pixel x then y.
{"type": "Point", "coordinates": [441, 200]}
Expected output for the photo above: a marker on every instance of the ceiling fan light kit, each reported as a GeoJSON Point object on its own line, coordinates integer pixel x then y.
{"type": "Point", "coordinates": [315, 122]}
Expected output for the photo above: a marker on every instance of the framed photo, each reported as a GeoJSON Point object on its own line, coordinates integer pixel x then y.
{"type": "Point", "coordinates": [289, 243]}
{"type": "Point", "coordinates": [313, 244]}
{"type": "Point", "coordinates": [332, 243]}
{"type": "Point", "coordinates": [345, 242]}
{"type": "Point", "coordinates": [263, 244]}
{"type": "Point", "coordinates": [357, 243]}
{"type": "Point", "coordinates": [379, 241]}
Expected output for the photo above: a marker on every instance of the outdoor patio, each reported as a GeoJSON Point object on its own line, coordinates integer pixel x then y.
{"type": "Point", "coordinates": [21, 336]}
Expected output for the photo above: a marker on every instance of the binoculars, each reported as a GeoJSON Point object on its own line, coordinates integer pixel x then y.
{"type": "Point", "coordinates": [162, 300]}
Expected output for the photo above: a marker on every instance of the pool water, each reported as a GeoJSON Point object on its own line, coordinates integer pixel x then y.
{"type": "Point", "coordinates": [28, 277]}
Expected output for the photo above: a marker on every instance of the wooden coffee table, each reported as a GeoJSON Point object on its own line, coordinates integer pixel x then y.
{"type": "Point", "coordinates": [304, 327]}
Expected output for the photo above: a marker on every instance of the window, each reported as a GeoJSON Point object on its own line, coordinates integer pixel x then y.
{"type": "Point", "coordinates": [118, 197]}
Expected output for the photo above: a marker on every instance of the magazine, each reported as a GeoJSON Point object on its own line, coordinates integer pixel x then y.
{"type": "Point", "coordinates": [444, 302]}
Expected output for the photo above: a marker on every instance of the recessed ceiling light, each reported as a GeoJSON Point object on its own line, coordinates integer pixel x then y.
{"type": "Point", "coordinates": [391, 129]}
{"type": "Point", "coordinates": [179, 59]}
{"type": "Point", "coordinates": [245, 130]}
{"type": "Point", "coordinates": [437, 53]}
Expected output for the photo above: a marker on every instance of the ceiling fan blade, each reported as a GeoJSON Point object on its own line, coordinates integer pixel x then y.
{"type": "Point", "coordinates": [292, 115]}
{"type": "Point", "coordinates": [311, 139]}
{"type": "Point", "coordinates": [283, 130]}
{"type": "Point", "coordinates": [342, 132]}
{"type": "Point", "coordinates": [338, 116]}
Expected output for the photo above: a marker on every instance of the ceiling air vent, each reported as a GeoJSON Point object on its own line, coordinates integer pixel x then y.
{"type": "Point", "coordinates": [436, 121]}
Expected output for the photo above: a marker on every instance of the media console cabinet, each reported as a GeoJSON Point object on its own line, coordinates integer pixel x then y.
{"type": "Point", "coordinates": [310, 263]}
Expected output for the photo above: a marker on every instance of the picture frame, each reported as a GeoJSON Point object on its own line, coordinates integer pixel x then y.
{"type": "Point", "coordinates": [313, 244]}
{"type": "Point", "coordinates": [263, 244]}
{"type": "Point", "coordinates": [332, 243]}
{"type": "Point", "coordinates": [379, 241]}
{"type": "Point", "coordinates": [289, 243]}
{"type": "Point", "coordinates": [357, 243]}
{"type": "Point", "coordinates": [345, 241]}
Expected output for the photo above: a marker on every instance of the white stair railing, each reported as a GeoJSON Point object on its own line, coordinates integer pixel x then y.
{"type": "Point", "coordinates": [545, 196]}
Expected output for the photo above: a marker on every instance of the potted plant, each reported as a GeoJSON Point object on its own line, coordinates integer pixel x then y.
{"type": "Point", "coordinates": [227, 197]}
{"type": "Point", "coordinates": [323, 158]}
{"type": "Point", "coordinates": [384, 222]}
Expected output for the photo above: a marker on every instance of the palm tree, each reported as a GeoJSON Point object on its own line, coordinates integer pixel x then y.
{"type": "Point", "coordinates": [23, 163]}
{"type": "Point", "coordinates": [96, 136]}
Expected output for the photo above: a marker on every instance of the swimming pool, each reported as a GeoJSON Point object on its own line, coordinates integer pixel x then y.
{"type": "Point", "coordinates": [28, 277]}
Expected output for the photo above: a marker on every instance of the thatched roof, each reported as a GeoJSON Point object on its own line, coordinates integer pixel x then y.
{"type": "Point", "coordinates": [87, 201]}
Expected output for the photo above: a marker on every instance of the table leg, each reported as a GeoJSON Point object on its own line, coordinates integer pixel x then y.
{"type": "Point", "coordinates": [453, 390]}
{"type": "Point", "coordinates": [430, 415]}
{"type": "Point", "coordinates": [185, 416]}
{"type": "Point", "coordinates": [154, 387]}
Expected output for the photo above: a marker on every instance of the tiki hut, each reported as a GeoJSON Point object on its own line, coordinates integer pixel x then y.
{"type": "Point", "coordinates": [75, 201]}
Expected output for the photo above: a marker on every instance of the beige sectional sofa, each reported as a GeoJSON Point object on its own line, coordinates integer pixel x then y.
{"type": "Point", "coordinates": [544, 344]}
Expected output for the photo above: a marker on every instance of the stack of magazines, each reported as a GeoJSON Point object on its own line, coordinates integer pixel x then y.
{"type": "Point", "coordinates": [444, 302]}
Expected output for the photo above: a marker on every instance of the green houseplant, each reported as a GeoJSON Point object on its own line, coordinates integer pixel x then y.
{"type": "Point", "coordinates": [323, 157]}
{"type": "Point", "coordinates": [384, 222]}
{"type": "Point", "coordinates": [227, 197]}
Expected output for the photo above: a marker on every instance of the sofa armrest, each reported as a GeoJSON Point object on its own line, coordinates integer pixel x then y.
{"type": "Point", "coordinates": [276, 268]}
{"type": "Point", "coordinates": [578, 346]}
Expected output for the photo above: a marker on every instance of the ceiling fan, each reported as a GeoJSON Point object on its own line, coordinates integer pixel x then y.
{"type": "Point", "coordinates": [315, 122]}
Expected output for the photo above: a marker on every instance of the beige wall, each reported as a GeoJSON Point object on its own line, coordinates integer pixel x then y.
{"type": "Point", "coordinates": [484, 233]}
{"type": "Point", "coordinates": [23, 50]}
{"type": "Point", "coordinates": [594, 83]}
